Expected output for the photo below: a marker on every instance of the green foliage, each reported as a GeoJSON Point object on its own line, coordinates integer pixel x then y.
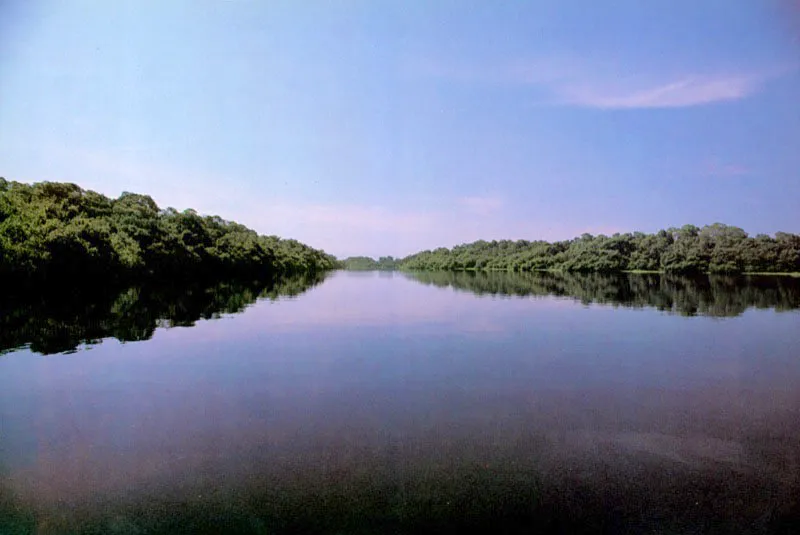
{"type": "Point", "coordinates": [714, 248]}
{"type": "Point", "coordinates": [365, 263]}
{"type": "Point", "coordinates": [53, 230]}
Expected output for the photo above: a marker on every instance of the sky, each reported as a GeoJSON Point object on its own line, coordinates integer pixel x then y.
{"type": "Point", "coordinates": [388, 127]}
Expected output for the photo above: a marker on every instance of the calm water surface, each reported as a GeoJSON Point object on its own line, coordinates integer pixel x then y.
{"type": "Point", "coordinates": [387, 402]}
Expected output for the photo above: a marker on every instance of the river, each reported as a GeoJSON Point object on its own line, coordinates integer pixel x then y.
{"type": "Point", "coordinates": [386, 402]}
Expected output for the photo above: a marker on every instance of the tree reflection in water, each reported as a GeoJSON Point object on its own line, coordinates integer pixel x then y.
{"type": "Point", "coordinates": [721, 296]}
{"type": "Point", "coordinates": [60, 320]}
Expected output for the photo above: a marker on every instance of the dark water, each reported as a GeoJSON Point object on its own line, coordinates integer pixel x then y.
{"type": "Point", "coordinates": [391, 403]}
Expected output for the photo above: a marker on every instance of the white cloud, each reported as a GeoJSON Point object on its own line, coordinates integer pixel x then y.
{"type": "Point", "coordinates": [569, 81]}
{"type": "Point", "coordinates": [690, 91]}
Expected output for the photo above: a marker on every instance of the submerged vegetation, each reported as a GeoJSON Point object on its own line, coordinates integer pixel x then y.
{"type": "Point", "coordinates": [52, 230]}
{"type": "Point", "coordinates": [714, 248]}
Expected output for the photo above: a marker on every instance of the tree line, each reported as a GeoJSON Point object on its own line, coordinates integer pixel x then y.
{"type": "Point", "coordinates": [52, 230]}
{"type": "Point", "coordinates": [365, 263]}
{"type": "Point", "coordinates": [713, 248]}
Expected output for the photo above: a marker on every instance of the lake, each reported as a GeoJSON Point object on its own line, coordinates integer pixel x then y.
{"type": "Point", "coordinates": [404, 403]}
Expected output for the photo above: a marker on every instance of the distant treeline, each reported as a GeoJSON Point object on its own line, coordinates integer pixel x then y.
{"type": "Point", "coordinates": [52, 230]}
{"type": "Point", "coordinates": [714, 248]}
{"type": "Point", "coordinates": [62, 319]}
{"type": "Point", "coordinates": [708, 295]}
{"type": "Point", "coordinates": [365, 263]}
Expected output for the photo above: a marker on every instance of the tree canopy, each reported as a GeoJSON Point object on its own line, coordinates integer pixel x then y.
{"type": "Point", "coordinates": [714, 248]}
{"type": "Point", "coordinates": [56, 230]}
{"type": "Point", "coordinates": [365, 263]}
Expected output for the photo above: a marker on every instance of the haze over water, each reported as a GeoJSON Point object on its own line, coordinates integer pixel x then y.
{"type": "Point", "coordinates": [378, 402]}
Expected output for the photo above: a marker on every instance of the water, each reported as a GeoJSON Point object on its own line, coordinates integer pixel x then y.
{"type": "Point", "coordinates": [386, 402]}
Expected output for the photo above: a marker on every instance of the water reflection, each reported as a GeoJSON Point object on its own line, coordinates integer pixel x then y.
{"type": "Point", "coordinates": [61, 320]}
{"type": "Point", "coordinates": [689, 296]}
{"type": "Point", "coordinates": [375, 404]}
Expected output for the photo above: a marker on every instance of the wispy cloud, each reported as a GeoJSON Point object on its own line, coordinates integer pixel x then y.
{"type": "Point", "coordinates": [680, 93]}
{"type": "Point", "coordinates": [569, 81]}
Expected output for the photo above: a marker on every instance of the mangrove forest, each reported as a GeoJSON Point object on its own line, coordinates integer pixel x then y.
{"type": "Point", "coordinates": [713, 248]}
{"type": "Point", "coordinates": [52, 230]}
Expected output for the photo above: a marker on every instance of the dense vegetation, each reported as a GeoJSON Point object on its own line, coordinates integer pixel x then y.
{"type": "Point", "coordinates": [62, 319]}
{"type": "Point", "coordinates": [712, 295]}
{"type": "Point", "coordinates": [365, 263]}
{"type": "Point", "coordinates": [712, 249]}
{"type": "Point", "coordinates": [55, 230]}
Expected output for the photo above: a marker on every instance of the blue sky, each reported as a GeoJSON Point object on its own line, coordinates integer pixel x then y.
{"type": "Point", "coordinates": [372, 127]}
